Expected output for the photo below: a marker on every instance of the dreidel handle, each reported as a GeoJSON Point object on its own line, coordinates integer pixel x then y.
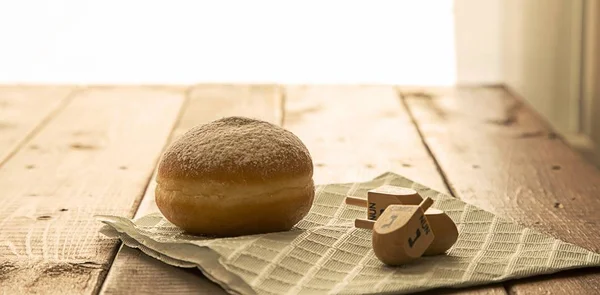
{"type": "Point", "coordinates": [354, 201]}
{"type": "Point", "coordinates": [426, 203]}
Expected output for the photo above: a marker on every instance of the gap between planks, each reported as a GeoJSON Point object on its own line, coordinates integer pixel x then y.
{"type": "Point", "coordinates": [424, 142]}
{"type": "Point", "coordinates": [61, 143]}
{"type": "Point", "coordinates": [138, 201]}
{"type": "Point", "coordinates": [493, 289]}
{"type": "Point", "coordinates": [170, 138]}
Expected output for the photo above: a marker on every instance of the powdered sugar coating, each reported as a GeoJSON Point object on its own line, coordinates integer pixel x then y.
{"type": "Point", "coordinates": [237, 149]}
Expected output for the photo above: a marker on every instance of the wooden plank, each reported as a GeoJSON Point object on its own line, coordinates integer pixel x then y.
{"type": "Point", "coordinates": [358, 132]}
{"type": "Point", "coordinates": [499, 155]}
{"type": "Point", "coordinates": [23, 110]}
{"type": "Point", "coordinates": [133, 269]}
{"type": "Point", "coordinates": [355, 133]}
{"type": "Point", "coordinates": [94, 157]}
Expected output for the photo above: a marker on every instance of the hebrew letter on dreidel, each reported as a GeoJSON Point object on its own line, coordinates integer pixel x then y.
{"type": "Point", "coordinates": [402, 233]}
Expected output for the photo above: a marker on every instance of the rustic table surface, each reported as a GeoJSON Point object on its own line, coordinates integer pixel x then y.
{"type": "Point", "coordinates": [68, 153]}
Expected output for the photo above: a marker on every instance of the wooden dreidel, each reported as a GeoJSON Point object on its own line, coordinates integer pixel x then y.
{"type": "Point", "coordinates": [380, 198]}
{"type": "Point", "coordinates": [402, 233]}
{"type": "Point", "coordinates": [444, 229]}
{"type": "Point", "coordinates": [442, 226]}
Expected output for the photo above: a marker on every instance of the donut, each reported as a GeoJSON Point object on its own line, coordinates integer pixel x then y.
{"type": "Point", "coordinates": [235, 176]}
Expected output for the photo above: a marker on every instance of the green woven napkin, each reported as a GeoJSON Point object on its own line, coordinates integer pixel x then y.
{"type": "Point", "coordinates": [325, 254]}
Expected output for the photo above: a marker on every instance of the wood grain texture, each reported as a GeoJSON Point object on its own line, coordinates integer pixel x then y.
{"type": "Point", "coordinates": [94, 157]}
{"type": "Point", "coordinates": [497, 154]}
{"type": "Point", "coordinates": [357, 132]}
{"type": "Point", "coordinates": [23, 110]}
{"type": "Point", "coordinates": [134, 270]}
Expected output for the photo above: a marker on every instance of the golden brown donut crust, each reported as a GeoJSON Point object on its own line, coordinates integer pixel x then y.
{"type": "Point", "coordinates": [269, 212]}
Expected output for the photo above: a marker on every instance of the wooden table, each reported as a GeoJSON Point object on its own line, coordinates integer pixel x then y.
{"type": "Point", "coordinates": [68, 153]}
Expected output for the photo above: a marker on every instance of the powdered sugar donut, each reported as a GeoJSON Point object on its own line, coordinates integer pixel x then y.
{"type": "Point", "coordinates": [235, 176]}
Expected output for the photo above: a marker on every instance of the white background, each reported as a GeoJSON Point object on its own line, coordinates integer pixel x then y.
{"type": "Point", "coordinates": [400, 42]}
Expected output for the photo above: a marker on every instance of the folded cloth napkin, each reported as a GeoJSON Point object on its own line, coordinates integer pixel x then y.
{"type": "Point", "coordinates": [326, 254]}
